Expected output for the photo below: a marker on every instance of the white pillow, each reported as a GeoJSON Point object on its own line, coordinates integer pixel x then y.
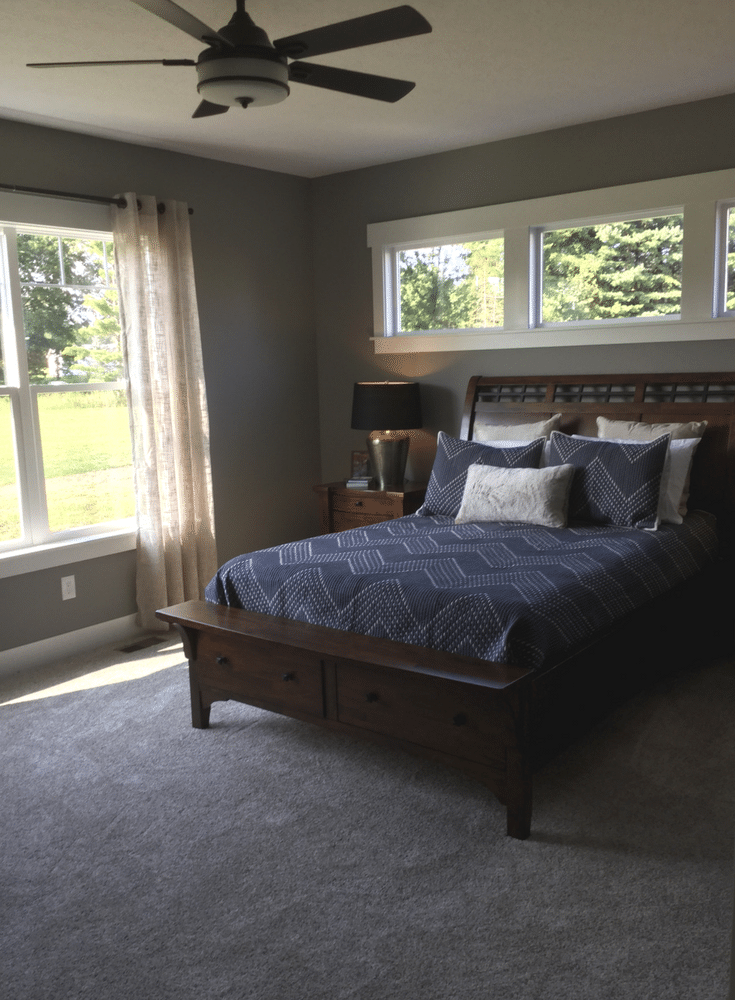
{"type": "Point", "coordinates": [531, 496]}
{"type": "Point", "coordinates": [490, 429]}
{"type": "Point", "coordinates": [674, 492]}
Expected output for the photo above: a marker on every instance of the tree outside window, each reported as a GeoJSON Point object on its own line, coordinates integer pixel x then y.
{"type": "Point", "coordinates": [452, 286]}
{"type": "Point", "coordinates": [615, 270]}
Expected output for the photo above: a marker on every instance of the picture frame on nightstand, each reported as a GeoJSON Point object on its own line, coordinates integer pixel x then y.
{"type": "Point", "coordinates": [360, 465]}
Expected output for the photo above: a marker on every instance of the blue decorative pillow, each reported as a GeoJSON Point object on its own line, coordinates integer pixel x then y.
{"type": "Point", "coordinates": [454, 457]}
{"type": "Point", "coordinates": [616, 483]}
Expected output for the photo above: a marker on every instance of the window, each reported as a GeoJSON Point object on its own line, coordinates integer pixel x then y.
{"type": "Point", "coordinates": [730, 260]}
{"type": "Point", "coordinates": [640, 263]}
{"type": "Point", "coordinates": [614, 270]}
{"type": "Point", "coordinates": [451, 286]}
{"type": "Point", "coordinates": [65, 450]}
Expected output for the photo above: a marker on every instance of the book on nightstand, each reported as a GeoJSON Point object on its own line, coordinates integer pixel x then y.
{"type": "Point", "coordinates": [360, 483]}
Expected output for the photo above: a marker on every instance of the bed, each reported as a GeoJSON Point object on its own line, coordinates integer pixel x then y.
{"type": "Point", "coordinates": [496, 708]}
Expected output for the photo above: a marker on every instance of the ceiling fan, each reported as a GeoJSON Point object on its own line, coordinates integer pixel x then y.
{"type": "Point", "coordinates": [242, 67]}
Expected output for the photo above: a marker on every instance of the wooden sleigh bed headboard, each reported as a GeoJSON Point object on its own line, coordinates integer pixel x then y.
{"type": "Point", "coordinates": [496, 722]}
{"type": "Point", "coordinates": [655, 398]}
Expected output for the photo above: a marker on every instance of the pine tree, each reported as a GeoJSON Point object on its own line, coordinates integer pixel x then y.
{"type": "Point", "coordinates": [614, 270]}
{"type": "Point", "coordinates": [485, 262]}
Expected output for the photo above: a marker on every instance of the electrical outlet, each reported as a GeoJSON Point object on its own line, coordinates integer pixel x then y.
{"type": "Point", "coordinates": [68, 588]}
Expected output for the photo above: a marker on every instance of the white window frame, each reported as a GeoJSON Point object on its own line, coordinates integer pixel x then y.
{"type": "Point", "coordinates": [724, 209]}
{"type": "Point", "coordinates": [41, 548]}
{"type": "Point", "coordinates": [700, 197]}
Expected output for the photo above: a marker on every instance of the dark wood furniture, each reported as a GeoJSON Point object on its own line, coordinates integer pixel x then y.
{"type": "Point", "coordinates": [496, 722]}
{"type": "Point", "coordinates": [341, 508]}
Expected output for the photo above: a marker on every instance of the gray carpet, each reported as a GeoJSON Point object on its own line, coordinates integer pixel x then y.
{"type": "Point", "coordinates": [267, 859]}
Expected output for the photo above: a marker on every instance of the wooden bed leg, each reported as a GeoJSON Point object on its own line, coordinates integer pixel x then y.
{"type": "Point", "coordinates": [519, 798]}
{"type": "Point", "coordinates": [199, 711]}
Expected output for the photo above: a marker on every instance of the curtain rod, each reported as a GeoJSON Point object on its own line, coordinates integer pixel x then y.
{"type": "Point", "coordinates": [120, 202]}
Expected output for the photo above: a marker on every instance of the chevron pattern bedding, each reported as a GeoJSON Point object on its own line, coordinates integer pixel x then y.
{"type": "Point", "coordinates": [511, 593]}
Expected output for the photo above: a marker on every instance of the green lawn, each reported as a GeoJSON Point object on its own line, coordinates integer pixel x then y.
{"type": "Point", "coordinates": [87, 461]}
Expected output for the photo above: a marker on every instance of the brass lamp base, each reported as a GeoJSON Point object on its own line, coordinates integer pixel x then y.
{"type": "Point", "coordinates": [388, 452]}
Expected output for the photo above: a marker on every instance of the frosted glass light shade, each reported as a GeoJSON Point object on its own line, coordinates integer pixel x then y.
{"type": "Point", "coordinates": [243, 81]}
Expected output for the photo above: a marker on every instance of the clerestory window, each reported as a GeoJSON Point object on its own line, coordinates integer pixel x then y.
{"type": "Point", "coordinates": [613, 270]}
{"type": "Point", "coordinates": [451, 286]}
{"type": "Point", "coordinates": [640, 263]}
{"type": "Point", "coordinates": [729, 260]}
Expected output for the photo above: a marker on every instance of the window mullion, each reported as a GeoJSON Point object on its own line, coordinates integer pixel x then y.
{"type": "Point", "coordinates": [698, 287]}
{"type": "Point", "coordinates": [392, 293]}
{"type": "Point", "coordinates": [520, 310]}
{"type": "Point", "coordinates": [62, 275]}
{"type": "Point", "coordinates": [27, 432]}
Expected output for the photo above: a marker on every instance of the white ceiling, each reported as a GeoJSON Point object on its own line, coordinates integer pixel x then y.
{"type": "Point", "coordinates": [491, 69]}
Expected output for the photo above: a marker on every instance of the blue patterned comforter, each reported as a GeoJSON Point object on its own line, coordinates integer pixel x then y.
{"type": "Point", "coordinates": [511, 593]}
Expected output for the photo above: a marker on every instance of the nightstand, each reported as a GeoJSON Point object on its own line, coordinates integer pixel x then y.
{"type": "Point", "coordinates": [343, 508]}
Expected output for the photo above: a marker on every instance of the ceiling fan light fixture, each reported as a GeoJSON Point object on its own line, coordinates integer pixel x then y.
{"type": "Point", "coordinates": [243, 81]}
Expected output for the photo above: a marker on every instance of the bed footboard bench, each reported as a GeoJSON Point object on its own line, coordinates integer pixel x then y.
{"type": "Point", "coordinates": [468, 713]}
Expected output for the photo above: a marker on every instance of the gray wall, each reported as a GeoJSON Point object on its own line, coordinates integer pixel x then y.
{"type": "Point", "coordinates": [686, 139]}
{"type": "Point", "coordinates": [253, 264]}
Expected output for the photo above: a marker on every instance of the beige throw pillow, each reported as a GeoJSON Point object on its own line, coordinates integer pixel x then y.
{"type": "Point", "coordinates": [531, 496]}
{"type": "Point", "coordinates": [490, 429]}
{"type": "Point", "coordinates": [635, 430]}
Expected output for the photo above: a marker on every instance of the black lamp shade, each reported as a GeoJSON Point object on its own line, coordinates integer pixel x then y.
{"type": "Point", "coordinates": [386, 406]}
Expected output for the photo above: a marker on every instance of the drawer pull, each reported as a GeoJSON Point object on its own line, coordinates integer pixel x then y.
{"type": "Point", "coordinates": [460, 719]}
{"type": "Point", "coordinates": [359, 503]}
{"type": "Point", "coordinates": [371, 696]}
{"type": "Point", "coordinates": [222, 661]}
{"type": "Point", "coordinates": [288, 677]}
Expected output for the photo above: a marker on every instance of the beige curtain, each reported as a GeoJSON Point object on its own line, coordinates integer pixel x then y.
{"type": "Point", "coordinates": [168, 409]}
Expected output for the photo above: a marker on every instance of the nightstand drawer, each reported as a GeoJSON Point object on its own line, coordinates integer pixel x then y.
{"type": "Point", "coordinates": [381, 506]}
{"type": "Point", "coordinates": [442, 714]}
{"type": "Point", "coordinates": [341, 508]}
{"type": "Point", "coordinates": [342, 520]}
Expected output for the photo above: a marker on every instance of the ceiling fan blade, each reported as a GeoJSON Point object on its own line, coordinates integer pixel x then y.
{"type": "Point", "coordinates": [116, 62]}
{"type": "Point", "coordinates": [180, 18]}
{"type": "Point", "coordinates": [384, 26]}
{"type": "Point", "coordinates": [206, 108]}
{"type": "Point", "coordinates": [346, 81]}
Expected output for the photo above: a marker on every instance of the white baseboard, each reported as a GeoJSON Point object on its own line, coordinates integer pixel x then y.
{"type": "Point", "coordinates": [83, 640]}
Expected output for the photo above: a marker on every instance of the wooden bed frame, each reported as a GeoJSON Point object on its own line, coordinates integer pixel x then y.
{"type": "Point", "coordinates": [495, 722]}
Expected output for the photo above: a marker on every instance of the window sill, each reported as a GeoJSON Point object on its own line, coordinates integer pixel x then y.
{"type": "Point", "coordinates": [63, 553]}
{"type": "Point", "coordinates": [577, 335]}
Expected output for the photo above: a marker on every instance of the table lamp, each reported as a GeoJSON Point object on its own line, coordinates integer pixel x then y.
{"type": "Point", "coordinates": [393, 408]}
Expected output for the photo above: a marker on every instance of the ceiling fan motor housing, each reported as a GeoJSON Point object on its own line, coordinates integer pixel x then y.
{"type": "Point", "coordinates": [251, 78]}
